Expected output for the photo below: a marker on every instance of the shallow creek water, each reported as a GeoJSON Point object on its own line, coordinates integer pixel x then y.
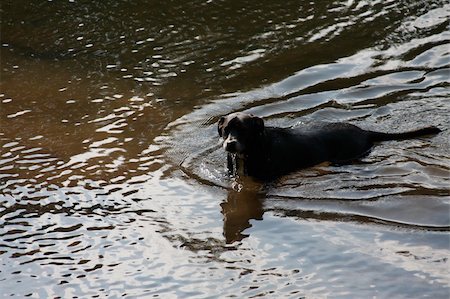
{"type": "Point", "coordinates": [113, 183]}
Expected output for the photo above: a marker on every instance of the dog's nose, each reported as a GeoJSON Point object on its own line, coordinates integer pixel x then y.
{"type": "Point", "coordinates": [230, 146]}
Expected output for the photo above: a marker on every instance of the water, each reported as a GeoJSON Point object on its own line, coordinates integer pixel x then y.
{"type": "Point", "coordinates": [112, 182]}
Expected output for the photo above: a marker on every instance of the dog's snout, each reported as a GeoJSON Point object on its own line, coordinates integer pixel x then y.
{"type": "Point", "coordinates": [231, 146]}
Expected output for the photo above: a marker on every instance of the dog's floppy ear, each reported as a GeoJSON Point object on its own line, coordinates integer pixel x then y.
{"type": "Point", "coordinates": [220, 125]}
{"type": "Point", "coordinates": [258, 123]}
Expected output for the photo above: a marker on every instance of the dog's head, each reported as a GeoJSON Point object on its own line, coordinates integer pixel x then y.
{"type": "Point", "coordinates": [240, 131]}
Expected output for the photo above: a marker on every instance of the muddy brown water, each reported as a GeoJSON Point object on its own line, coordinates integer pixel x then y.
{"type": "Point", "coordinates": [113, 184]}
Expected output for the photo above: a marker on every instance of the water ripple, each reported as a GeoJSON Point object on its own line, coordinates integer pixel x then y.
{"type": "Point", "coordinates": [112, 181]}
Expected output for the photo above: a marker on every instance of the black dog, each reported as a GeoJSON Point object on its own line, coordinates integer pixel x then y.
{"type": "Point", "coordinates": [267, 152]}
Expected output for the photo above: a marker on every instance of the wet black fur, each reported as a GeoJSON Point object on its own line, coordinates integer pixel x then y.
{"type": "Point", "coordinates": [268, 152]}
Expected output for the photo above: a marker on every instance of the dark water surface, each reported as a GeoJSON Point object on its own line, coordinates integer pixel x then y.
{"type": "Point", "coordinates": [112, 182]}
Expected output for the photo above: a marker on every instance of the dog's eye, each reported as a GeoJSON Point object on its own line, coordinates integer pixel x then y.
{"type": "Point", "coordinates": [226, 131]}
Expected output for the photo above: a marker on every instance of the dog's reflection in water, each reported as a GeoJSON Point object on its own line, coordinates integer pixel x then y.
{"type": "Point", "coordinates": [242, 205]}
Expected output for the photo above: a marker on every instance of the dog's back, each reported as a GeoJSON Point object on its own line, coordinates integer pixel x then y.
{"type": "Point", "coordinates": [290, 149]}
{"type": "Point", "coordinates": [337, 143]}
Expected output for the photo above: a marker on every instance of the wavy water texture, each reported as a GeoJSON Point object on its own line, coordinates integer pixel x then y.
{"type": "Point", "coordinates": [113, 181]}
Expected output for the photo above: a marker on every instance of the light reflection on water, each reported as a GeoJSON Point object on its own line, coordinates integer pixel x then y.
{"type": "Point", "coordinates": [112, 182]}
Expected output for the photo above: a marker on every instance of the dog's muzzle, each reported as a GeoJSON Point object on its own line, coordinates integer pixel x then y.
{"type": "Point", "coordinates": [232, 145]}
